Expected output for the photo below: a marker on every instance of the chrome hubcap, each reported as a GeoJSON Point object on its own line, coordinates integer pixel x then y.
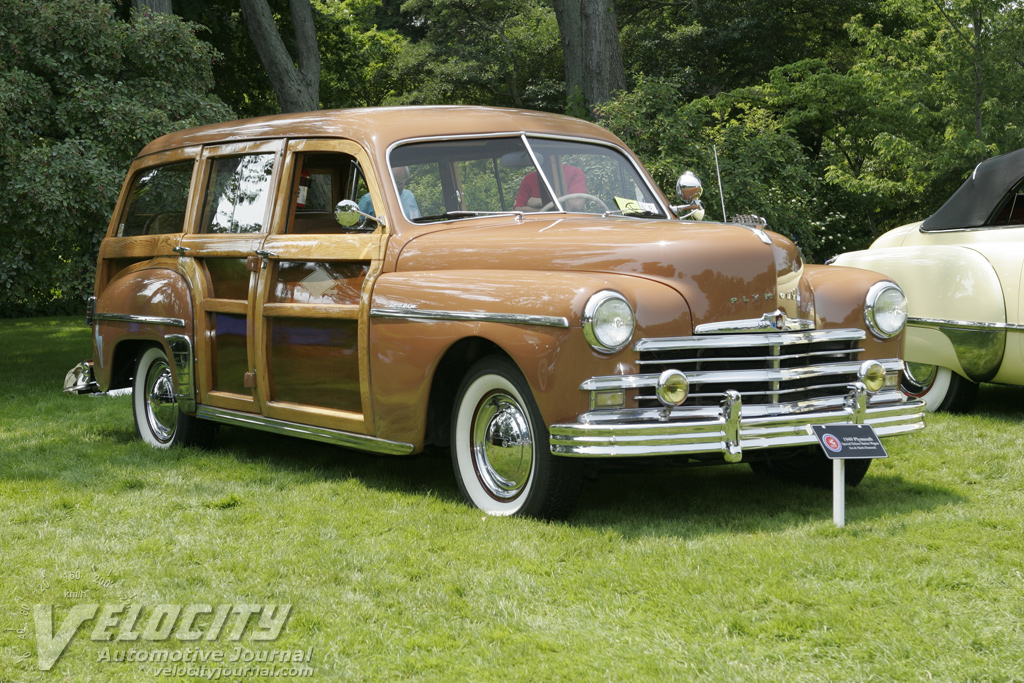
{"type": "Point", "coordinates": [502, 446]}
{"type": "Point", "coordinates": [920, 375]}
{"type": "Point", "coordinates": [161, 405]}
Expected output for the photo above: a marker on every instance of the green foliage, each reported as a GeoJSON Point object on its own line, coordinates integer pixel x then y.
{"type": "Point", "coordinates": [496, 52]}
{"type": "Point", "coordinates": [764, 168]}
{"type": "Point", "coordinates": [834, 155]}
{"type": "Point", "coordinates": [80, 94]}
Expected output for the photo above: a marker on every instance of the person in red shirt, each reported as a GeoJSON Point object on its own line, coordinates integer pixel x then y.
{"type": "Point", "coordinates": [531, 194]}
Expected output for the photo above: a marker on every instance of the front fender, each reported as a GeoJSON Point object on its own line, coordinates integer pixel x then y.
{"type": "Point", "coordinates": [957, 312]}
{"type": "Point", "coordinates": [533, 316]}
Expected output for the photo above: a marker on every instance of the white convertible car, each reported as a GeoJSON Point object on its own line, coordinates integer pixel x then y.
{"type": "Point", "coordinates": [961, 269]}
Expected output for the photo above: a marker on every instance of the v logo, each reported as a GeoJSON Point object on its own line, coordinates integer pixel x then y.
{"type": "Point", "coordinates": [50, 646]}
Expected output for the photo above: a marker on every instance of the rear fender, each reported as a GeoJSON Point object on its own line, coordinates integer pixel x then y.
{"type": "Point", "coordinates": [143, 306]}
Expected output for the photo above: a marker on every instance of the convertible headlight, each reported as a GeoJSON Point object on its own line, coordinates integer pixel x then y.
{"type": "Point", "coordinates": [885, 309]}
{"type": "Point", "coordinates": [608, 321]}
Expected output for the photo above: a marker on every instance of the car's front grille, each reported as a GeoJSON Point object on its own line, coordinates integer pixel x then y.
{"type": "Point", "coordinates": [780, 367]}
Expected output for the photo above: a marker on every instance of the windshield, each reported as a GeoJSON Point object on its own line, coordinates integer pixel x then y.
{"type": "Point", "coordinates": [454, 179]}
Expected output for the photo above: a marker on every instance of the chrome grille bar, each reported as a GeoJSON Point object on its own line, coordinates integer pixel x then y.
{"type": "Point", "coordinates": [747, 340]}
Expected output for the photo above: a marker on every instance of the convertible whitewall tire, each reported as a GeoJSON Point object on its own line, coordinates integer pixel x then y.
{"type": "Point", "coordinates": [942, 391]}
{"type": "Point", "coordinates": [500, 447]}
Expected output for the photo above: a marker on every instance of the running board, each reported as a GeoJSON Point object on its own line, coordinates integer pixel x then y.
{"type": "Point", "coordinates": [322, 434]}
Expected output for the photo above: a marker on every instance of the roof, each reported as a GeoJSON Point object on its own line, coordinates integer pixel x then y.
{"type": "Point", "coordinates": [974, 204]}
{"type": "Point", "coordinates": [382, 126]}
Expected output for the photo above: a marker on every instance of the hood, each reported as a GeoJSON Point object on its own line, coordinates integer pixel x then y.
{"type": "Point", "coordinates": [724, 272]}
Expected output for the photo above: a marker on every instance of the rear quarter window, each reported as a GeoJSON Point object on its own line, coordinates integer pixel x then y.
{"type": "Point", "coordinates": [157, 201]}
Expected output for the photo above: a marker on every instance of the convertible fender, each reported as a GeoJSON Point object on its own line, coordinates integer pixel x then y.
{"type": "Point", "coordinates": [417, 319]}
{"type": "Point", "coordinates": [957, 313]}
{"type": "Point", "coordinates": [143, 304]}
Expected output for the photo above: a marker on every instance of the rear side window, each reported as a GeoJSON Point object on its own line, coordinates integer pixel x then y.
{"type": "Point", "coordinates": [157, 201]}
{"type": "Point", "coordinates": [237, 195]}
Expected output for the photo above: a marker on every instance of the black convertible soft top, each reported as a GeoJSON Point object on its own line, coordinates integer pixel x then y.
{"type": "Point", "coordinates": [974, 204]}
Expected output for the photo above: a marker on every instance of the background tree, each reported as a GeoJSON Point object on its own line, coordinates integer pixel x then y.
{"type": "Point", "coordinates": [856, 145]}
{"type": "Point", "coordinates": [296, 81]}
{"type": "Point", "coordinates": [80, 94]}
{"type": "Point", "coordinates": [591, 50]}
{"type": "Point", "coordinates": [497, 52]}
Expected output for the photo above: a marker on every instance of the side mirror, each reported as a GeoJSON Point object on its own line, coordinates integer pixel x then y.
{"type": "Point", "coordinates": [689, 188]}
{"type": "Point", "coordinates": [348, 215]}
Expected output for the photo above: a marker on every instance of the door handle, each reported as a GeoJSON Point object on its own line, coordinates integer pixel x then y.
{"type": "Point", "coordinates": [181, 251]}
{"type": "Point", "coordinates": [265, 254]}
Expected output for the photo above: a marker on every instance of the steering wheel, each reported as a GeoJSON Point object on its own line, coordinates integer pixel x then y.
{"type": "Point", "coordinates": [575, 195]}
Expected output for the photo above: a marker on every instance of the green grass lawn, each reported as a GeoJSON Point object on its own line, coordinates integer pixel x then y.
{"type": "Point", "coordinates": [702, 574]}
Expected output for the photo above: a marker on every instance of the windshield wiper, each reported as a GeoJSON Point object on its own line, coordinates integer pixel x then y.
{"type": "Point", "coordinates": [633, 213]}
{"type": "Point", "coordinates": [463, 214]}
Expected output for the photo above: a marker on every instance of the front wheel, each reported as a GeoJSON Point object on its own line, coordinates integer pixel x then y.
{"type": "Point", "coordinates": [941, 389]}
{"type": "Point", "coordinates": [500, 447]}
{"type": "Point", "coordinates": [158, 418]}
{"type": "Point", "coordinates": [809, 466]}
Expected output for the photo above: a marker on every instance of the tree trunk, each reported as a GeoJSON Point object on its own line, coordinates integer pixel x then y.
{"type": "Point", "coordinates": [590, 46]}
{"type": "Point", "coordinates": [160, 6]}
{"type": "Point", "coordinates": [297, 87]}
{"type": "Point", "coordinates": [979, 95]}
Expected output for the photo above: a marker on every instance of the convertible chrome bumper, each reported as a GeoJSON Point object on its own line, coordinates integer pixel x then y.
{"type": "Point", "coordinates": [731, 427]}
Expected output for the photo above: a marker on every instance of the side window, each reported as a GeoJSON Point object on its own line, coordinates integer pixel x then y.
{"type": "Point", "coordinates": [1011, 211]}
{"type": "Point", "coordinates": [237, 194]}
{"type": "Point", "coordinates": [323, 179]}
{"type": "Point", "coordinates": [157, 201]}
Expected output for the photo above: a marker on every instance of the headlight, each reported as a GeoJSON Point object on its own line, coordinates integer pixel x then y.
{"type": "Point", "coordinates": [885, 309]}
{"type": "Point", "coordinates": [608, 321]}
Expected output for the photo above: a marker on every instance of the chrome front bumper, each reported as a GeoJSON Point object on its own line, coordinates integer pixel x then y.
{"type": "Point", "coordinates": [730, 428]}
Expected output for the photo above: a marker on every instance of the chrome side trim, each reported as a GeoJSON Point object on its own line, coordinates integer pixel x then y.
{"type": "Point", "coordinates": [322, 434]}
{"type": "Point", "coordinates": [737, 340]}
{"type": "Point", "coordinates": [183, 359]}
{"type": "Point", "coordinates": [768, 321]}
{"type": "Point", "coordinates": [962, 324]}
{"type": "Point", "coordinates": [731, 428]}
{"type": "Point", "coordinates": [144, 319]}
{"type": "Point", "coordinates": [979, 347]}
{"type": "Point", "coordinates": [468, 316]}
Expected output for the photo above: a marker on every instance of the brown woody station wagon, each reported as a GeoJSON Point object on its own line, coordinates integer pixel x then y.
{"type": "Point", "coordinates": [510, 284]}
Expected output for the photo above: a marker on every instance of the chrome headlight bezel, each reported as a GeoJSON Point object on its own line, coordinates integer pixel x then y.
{"type": "Point", "coordinates": [595, 322]}
{"type": "Point", "coordinates": [880, 305]}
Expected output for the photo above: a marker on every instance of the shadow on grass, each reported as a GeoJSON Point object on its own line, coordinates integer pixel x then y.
{"type": "Point", "coordinates": [643, 502]}
{"type": "Point", "coordinates": [1000, 401]}
{"type": "Point", "coordinates": [430, 471]}
{"type": "Point", "coordinates": [683, 501]}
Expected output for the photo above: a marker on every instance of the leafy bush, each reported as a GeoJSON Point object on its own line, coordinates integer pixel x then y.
{"type": "Point", "coordinates": [80, 94]}
{"type": "Point", "coordinates": [764, 167]}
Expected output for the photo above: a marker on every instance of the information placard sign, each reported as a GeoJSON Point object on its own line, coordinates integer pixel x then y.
{"type": "Point", "coordinates": [849, 442]}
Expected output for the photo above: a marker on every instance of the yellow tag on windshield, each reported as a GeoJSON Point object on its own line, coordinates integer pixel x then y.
{"type": "Point", "coordinates": [627, 204]}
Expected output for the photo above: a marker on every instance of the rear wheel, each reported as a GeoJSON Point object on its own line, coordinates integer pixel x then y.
{"type": "Point", "coordinates": [158, 417]}
{"type": "Point", "coordinates": [500, 447]}
{"type": "Point", "coordinates": [809, 466]}
{"type": "Point", "coordinates": [941, 389]}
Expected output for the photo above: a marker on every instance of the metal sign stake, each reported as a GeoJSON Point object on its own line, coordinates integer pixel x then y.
{"type": "Point", "coordinates": [839, 492]}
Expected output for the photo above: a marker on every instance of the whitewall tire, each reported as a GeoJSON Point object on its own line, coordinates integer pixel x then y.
{"type": "Point", "coordinates": [941, 389]}
{"type": "Point", "coordinates": [158, 418]}
{"type": "Point", "coordinates": [500, 447]}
